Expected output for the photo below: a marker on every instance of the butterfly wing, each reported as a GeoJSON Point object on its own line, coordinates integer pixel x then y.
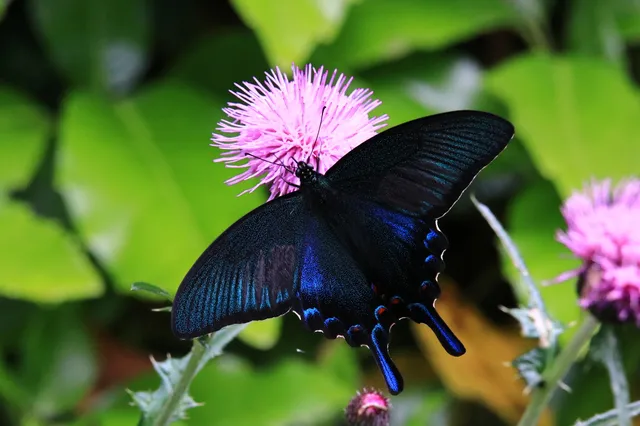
{"type": "Point", "coordinates": [335, 297]}
{"type": "Point", "coordinates": [248, 273]}
{"type": "Point", "coordinates": [400, 255]}
{"type": "Point", "coordinates": [389, 193]}
{"type": "Point", "coordinates": [423, 166]}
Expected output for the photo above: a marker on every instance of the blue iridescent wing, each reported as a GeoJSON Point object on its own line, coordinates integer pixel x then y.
{"type": "Point", "coordinates": [400, 255]}
{"type": "Point", "coordinates": [335, 297]}
{"type": "Point", "coordinates": [248, 273]}
{"type": "Point", "coordinates": [389, 193]}
{"type": "Point", "coordinates": [422, 167]}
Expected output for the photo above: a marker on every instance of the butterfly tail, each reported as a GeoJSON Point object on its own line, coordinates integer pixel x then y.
{"type": "Point", "coordinates": [380, 350]}
{"type": "Point", "coordinates": [428, 315]}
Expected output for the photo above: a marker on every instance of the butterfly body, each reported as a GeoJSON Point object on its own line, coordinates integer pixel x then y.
{"type": "Point", "coordinates": [353, 251]}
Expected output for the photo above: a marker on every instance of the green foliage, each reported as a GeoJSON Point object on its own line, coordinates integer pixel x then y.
{"type": "Point", "coordinates": [563, 113]}
{"type": "Point", "coordinates": [170, 402]}
{"type": "Point", "coordinates": [53, 270]}
{"type": "Point", "coordinates": [25, 128]}
{"type": "Point", "coordinates": [289, 30]}
{"type": "Point", "coordinates": [98, 44]}
{"type": "Point", "coordinates": [379, 30]}
{"type": "Point", "coordinates": [136, 180]}
{"type": "Point", "coordinates": [534, 219]}
{"type": "Point", "coordinates": [107, 182]}
{"type": "Point", "coordinates": [262, 334]}
{"type": "Point", "coordinates": [291, 404]}
{"type": "Point", "coordinates": [59, 366]}
{"type": "Point", "coordinates": [424, 85]}
{"type": "Point", "coordinates": [196, 66]}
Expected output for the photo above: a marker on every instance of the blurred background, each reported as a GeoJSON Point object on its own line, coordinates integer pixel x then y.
{"type": "Point", "coordinates": [106, 178]}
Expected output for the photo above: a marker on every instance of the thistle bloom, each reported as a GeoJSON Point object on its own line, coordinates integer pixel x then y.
{"type": "Point", "coordinates": [279, 122]}
{"type": "Point", "coordinates": [368, 408]}
{"type": "Point", "coordinates": [603, 229]}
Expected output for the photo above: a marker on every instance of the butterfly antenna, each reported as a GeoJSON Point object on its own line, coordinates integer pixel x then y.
{"type": "Point", "coordinates": [278, 163]}
{"type": "Point", "coordinates": [318, 135]}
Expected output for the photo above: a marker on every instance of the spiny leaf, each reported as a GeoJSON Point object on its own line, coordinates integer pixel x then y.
{"type": "Point", "coordinates": [530, 366]}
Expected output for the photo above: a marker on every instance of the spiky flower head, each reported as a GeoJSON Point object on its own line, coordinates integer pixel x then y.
{"type": "Point", "coordinates": [368, 408]}
{"type": "Point", "coordinates": [279, 120]}
{"type": "Point", "coordinates": [603, 229]}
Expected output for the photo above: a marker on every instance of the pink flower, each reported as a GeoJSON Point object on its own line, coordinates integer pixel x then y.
{"type": "Point", "coordinates": [368, 408]}
{"type": "Point", "coordinates": [279, 121]}
{"type": "Point", "coordinates": [603, 229]}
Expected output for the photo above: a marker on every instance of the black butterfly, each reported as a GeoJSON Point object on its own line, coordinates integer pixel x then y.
{"type": "Point", "coordinates": [353, 251]}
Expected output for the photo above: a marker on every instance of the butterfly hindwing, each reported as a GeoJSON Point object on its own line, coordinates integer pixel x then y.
{"type": "Point", "coordinates": [423, 166]}
{"type": "Point", "coordinates": [248, 273]}
{"type": "Point", "coordinates": [335, 297]}
{"type": "Point", "coordinates": [401, 256]}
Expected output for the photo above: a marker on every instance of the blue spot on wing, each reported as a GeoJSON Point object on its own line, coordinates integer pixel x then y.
{"type": "Point", "coordinates": [402, 225]}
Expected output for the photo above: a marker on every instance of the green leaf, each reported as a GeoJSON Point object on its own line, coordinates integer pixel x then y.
{"type": "Point", "coordinates": [289, 30]}
{"type": "Point", "coordinates": [95, 43]}
{"type": "Point", "coordinates": [40, 261]}
{"type": "Point", "coordinates": [534, 218]}
{"type": "Point", "coordinates": [629, 19]}
{"type": "Point", "coordinates": [201, 64]}
{"type": "Point", "coordinates": [589, 382]}
{"type": "Point", "coordinates": [24, 127]}
{"type": "Point", "coordinates": [423, 409]}
{"type": "Point", "coordinates": [577, 116]}
{"type": "Point", "coordinates": [593, 30]}
{"type": "Point", "coordinates": [139, 182]}
{"type": "Point", "coordinates": [530, 366]}
{"type": "Point", "coordinates": [342, 361]}
{"type": "Point", "coordinates": [150, 288]}
{"type": "Point", "coordinates": [381, 30]}
{"type": "Point", "coordinates": [274, 395]}
{"type": "Point", "coordinates": [262, 334]}
{"type": "Point", "coordinates": [423, 85]}
{"type": "Point", "coordinates": [3, 7]}
{"type": "Point", "coordinates": [590, 394]}
{"type": "Point", "coordinates": [171, 400]}
{"type": "Point", "coordinates": [59, 365]}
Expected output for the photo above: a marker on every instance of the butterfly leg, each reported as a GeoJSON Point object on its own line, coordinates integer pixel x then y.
{"type": "Point", "coordinates": [428, 315]}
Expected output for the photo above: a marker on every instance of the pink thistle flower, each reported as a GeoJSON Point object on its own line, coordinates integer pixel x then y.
{"type": "Point", "coordinates": [603, 229]}
{"type": "Point", "coordinates": [368, 408]}
{"type": "Point", "coordinates": [279, 121]}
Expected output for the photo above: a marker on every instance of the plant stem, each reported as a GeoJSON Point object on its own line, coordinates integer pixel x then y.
{"type": "Point", "coordinates": [171, 396]}
{"type": "Point", "coordinates": [555, 371]}
{"type": "Point", "coordinates": [612, 360]}
{"type": "Point", "coordinates": [182, 387]}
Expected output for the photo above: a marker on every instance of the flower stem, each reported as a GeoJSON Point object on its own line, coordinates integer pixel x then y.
{"type": "Point", "coordinates": [609, 355]}
{"type": "Point", "coordinates": [555, 371]}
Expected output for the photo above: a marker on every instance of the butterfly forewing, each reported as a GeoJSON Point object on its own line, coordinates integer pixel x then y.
{"type": "Point", "coordinates": [246, 274]}
{"type": "Point", "coordinates": [424, 165]}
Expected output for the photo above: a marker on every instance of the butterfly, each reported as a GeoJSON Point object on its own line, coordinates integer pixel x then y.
{"type": "Point", "coordinates": [353, 251]}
